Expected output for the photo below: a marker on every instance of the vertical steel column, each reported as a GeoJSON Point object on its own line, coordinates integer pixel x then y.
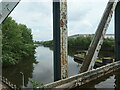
{"type": "Point", "coordinates": [117, 32]}
{"type": "Point", "coordinates": [60, 39]}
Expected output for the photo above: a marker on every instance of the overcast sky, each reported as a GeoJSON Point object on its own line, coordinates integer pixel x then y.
{"type": "Point", "coordinates": [83, 17]}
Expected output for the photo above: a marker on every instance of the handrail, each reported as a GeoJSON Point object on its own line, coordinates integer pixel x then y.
{"type": "Point", "coordinates": [85, 77]}
{"type": "Point", "coordinates": [8, 83]}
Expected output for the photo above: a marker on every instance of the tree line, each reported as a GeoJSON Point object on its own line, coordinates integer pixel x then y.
{"type": "Point", "coordinates": [17, 42]}
{"type": "Point", "coordinates": [82, 43]}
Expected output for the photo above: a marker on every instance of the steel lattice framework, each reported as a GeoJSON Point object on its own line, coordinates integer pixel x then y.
{"type": "Point", "coordinates": [60, 34]}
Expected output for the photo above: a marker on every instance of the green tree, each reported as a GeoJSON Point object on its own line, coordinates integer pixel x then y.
{"type": "Point", "coordinates": [82, 43]}
{"type": "Point", "coordinates": [17, 42]}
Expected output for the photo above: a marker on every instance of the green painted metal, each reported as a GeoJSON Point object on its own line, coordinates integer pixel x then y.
{"type": "Point", "coordinates": [117, 32]}
{"type": "Point", "coordinates": [56, 38]}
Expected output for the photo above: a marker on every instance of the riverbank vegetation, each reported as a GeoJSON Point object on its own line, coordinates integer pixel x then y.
{"type": "Point", "coordinates": [82, 43]}
{"type": "Point", "coordinates": [17, 42]}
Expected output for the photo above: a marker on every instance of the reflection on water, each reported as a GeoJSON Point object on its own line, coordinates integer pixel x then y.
{"type": "Point", "coordinates": [73, 51]}
{"type": "Point", "coordinates": [112, 81]}
{"type": "Point", "coordinates": [13, 73]}
{"type": "Point", "coordinates": [42, 71]}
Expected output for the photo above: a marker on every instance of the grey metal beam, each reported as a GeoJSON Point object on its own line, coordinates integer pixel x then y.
{"type": "Point", "coordinates": [117, 32]}
{"type": "Point", "coordinates": [97, 41]}
{"type": "Point", "coordinates": [6, 7]}
{"type": "Point", "coordinates": [85, 77]}
{"type": "Point", "coordinates": [60, 39]}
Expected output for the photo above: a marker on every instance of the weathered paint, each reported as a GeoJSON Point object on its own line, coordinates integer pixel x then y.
{"type": "Point", "coordinates": [63, 44]}
{"type": "Point", "coordinates": [60, 39]}
{"type": "Point", "coordinates": [85, 77]}
{"type": "Point", "coordinates": [97, 41]}
{"type": "Point", "coordinates": [117, 32]}
{"type": "Point", "coordinates": [6, 7]}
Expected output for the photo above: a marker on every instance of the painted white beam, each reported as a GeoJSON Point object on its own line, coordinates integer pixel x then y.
{"type": "Point", "coordinates": [97, 41]}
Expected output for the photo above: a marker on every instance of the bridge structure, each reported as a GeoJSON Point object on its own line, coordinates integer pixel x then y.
{"type": "Point", "coordinates": [6, 84]}
{"type": "Point", "coordinates": [60, 31]}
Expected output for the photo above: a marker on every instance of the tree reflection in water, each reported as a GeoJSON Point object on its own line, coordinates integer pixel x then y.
{"type": "Point", "coordinates": [44, 73]}
{"type": "Point", "coordinates": [12, 73]}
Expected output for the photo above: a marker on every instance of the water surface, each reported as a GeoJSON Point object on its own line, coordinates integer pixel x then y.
{"type": "Point", "coordinates": [42, 72]}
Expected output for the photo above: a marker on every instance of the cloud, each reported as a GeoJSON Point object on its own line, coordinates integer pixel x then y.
{"type": "Point", "coordinates": [83, 17]}
{"type": "Point", "coordinates": [42, 34]}
{"type": "Point", "coordinates": [33, 14]}
{"type": "Point", "coordinates": [37, 16]}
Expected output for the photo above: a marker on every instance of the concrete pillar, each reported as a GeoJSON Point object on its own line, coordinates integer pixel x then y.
{"type": "Point", "coordinates": [117, 32]}
{"type": "Point", "coordinates": [60, 39]}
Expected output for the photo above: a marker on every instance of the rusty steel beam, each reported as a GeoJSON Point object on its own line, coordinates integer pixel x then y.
{"type": "Point", "coordinates": [84, 78]}
{"type": "Point", "coordinates": [117, 32]}
{"type": "Point", "coordinates": [97, 41]}
{"type": "Point", "coordinates": [60, 39]}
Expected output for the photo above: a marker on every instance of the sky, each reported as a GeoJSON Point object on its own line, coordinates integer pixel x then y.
{"type": "Point", "coordinates": [83, 17]}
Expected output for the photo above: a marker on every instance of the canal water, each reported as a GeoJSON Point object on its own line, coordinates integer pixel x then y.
{"type": "Point", "coordinates": [41, 71]}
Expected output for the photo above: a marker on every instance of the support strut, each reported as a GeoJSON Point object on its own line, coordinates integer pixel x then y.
{"type": "Point", "coordinates": [117, 32]}
{"type": "Point", "coordinates": [60, 39]}
{"type": "Point", "coordinates": [97, 41]}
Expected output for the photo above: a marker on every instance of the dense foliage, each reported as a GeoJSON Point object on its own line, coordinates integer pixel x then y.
{"type": "Point", "coordinates": [82, 43]}
{"type": "Point", "coordinates": [108, 44]}
{"type": "Point", "coordinates": [17, 42]}
{"type": "Point", "coordinates": [79, 42]}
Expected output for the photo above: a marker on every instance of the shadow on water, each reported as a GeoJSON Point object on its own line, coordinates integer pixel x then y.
{"type": "Point", "coordinates": [12, 73]}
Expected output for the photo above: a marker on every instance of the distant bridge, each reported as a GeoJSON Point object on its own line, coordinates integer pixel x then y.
{"type": "Point", "coordinates": [86, 35]}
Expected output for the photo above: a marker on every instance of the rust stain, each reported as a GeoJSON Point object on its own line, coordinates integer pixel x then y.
{"type": "Point", "coordinates": [63, 27]}
{"type": "Point", "coordinates": [61, 23]}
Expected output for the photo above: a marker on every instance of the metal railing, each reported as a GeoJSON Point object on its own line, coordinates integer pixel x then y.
{"type": "Point", "coordinates": [8, 83]}
{"type": "Point", "coordinates": [85, 77]}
